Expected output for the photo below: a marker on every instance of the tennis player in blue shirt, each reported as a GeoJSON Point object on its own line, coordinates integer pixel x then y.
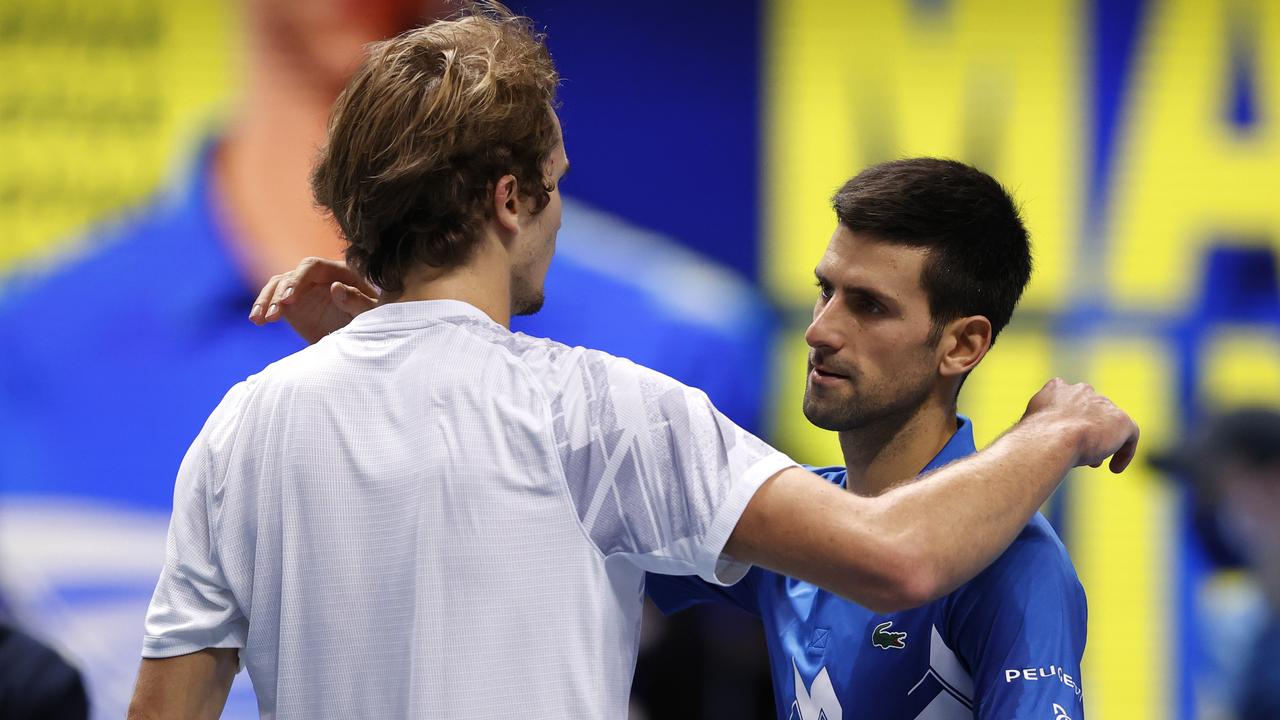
{"type": "Point", "coordinates": [923, 271]}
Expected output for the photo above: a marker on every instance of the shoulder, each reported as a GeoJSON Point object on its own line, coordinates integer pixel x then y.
{"type": "Point", "coordinates": [559, 367]}
{"type": "Point", "coordinates": [1037, 553]}
{"type": "Point", "coordinates": [218, 436]}
{"type": "Point", "coordinates": [233, 430]}
{"type": "Point", "coordinates": [1035, 574]}
{"type": "Point", "coordinates": [543, 357]}
{"type": "Point", "coordinates": [1029, 600]}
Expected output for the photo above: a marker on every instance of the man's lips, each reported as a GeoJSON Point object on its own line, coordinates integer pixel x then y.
{"type": "Point", "coordinates": [822, 374]}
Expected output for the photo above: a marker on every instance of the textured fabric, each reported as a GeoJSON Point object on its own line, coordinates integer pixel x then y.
{"type": "Point", "coordinates": [425, 515]}
{"type": "Point", "coordinates": [1007, 644]}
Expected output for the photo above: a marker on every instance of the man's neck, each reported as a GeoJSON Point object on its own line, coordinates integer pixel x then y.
{"type": "Point", "coordinates": [483, 282]}
{"type": "Point", "coordinates": [882, 455]}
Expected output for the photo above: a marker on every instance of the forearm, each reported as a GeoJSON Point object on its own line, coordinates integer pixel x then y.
{"type": "Point", "coordinates": [187, 686]}
{"type": "Point", "coordinates": [914, 543]}
{"type": "Point", "coordinates": [800, 525]}
{"type": "Point", "coordinates": [955, 521]}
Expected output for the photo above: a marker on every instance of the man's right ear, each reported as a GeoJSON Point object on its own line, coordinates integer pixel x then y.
{"type": "Point", "coordinates": [506, 203]}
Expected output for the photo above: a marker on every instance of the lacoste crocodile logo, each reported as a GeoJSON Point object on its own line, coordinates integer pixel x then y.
{"type": "Point", "coordinates": [885, 640]}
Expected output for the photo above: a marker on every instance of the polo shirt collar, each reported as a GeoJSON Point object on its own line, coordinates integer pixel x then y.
{"type": "Point", "coordinates": [960, 445]}
{"type": "Point", "coordinates": [417, 313]}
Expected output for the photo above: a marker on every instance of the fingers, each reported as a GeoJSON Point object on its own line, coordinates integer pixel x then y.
{"type": "Point", "coordinates": [303, 275]}
{"type": "Point", "coordinates": [278, 290]}
{"type": "Point", "coordinates": [1114, 435]}
{"type": "Point", "coordinates": [351, 300]}
{"type": "Point", "coordinates": [1105, 430]}
{"type": "Point", "coordinates": [285, 291]}
{"type": "Point", "coordinates": [258, 315]}
{"type": "Point", "coordinates": [1103, 426]}
{"type": "Point", "coordinates": [1126, 453]}
{"type": "Point", "coordinates": [285, 288]}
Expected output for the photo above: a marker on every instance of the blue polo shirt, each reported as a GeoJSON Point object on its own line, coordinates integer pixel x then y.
{"type": "Point", "coordinates": [1007, 644]}
{"type": "Point", "coordinates": [113, 361]}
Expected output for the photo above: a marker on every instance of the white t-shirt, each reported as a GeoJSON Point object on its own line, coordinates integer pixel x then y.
{"type": "Point", "coordinates": [425, 515]}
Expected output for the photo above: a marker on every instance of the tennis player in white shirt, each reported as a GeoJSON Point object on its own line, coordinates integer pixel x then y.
{"type": "Point", "coordinates": [426, 515]}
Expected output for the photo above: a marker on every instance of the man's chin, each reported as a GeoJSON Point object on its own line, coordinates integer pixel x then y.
{"type": "Point", "coordinates": [529, 307]}
{"type": "Point", "coordinates": [824, 418]}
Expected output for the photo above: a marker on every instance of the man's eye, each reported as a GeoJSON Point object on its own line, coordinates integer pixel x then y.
{"type": "Point", "coordinates": [871, 306]}
{"type": "Point", "coordinates": [824, 290]}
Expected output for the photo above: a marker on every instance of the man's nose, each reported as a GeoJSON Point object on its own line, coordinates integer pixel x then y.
{"type": "Point", "coordinates": [824, 332]}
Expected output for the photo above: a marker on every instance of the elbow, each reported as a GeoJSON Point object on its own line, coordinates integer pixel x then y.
{"type": "Point", "coordinates": [918, 583]}
{"type": "Point", "coordinates": [907, 579]}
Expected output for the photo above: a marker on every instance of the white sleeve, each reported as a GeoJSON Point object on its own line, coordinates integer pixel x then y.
{"type": "Point", "coordinates": [655, 472]}
{"type": "Point", "coordinates": [193, 608]}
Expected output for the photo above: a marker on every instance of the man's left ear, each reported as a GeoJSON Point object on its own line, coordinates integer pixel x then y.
{"type": "Point", "coordinates": [506, 203]}
{"type": "Point", "coordinates": [964, 343]}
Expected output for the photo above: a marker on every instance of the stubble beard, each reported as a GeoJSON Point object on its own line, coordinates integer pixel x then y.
{"type": "Point", "coordinates": [527, 295]}
{"type": "Point", "coordinates": [526, 298]}
{"type": "Point", "coordinates": [528, 288]}
{"type": "Point", "coordinates": [528, 305]}
{"type": "Point", "coordinates": [864, 407]}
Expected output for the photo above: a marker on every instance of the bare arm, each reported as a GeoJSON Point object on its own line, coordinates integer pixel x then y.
{"type": "Point", "coordinates": [186, 687]}
{"type": "Point", "coordinates": [898, 550]}
{"type": "Point", "coordinates": [925, 538]}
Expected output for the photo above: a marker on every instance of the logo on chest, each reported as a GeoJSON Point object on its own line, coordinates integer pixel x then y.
{"type": "Point", "coordinates": [885, 639]}
{"type": "Point", "coordinates": [817, 701]}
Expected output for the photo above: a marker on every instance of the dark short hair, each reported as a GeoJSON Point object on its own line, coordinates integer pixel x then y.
{"type": "Point", "coordinates": [979, 255]}
{"type": "Point", "coordinates": [425, 129]}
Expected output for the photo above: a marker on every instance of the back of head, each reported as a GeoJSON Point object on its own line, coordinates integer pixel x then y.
{"type": "Point", "coordinates": [979, 252]}
{"type": "Point", "coordinates": [422, 132]}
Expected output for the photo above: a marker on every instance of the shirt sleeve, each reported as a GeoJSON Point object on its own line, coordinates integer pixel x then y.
{"type": "Point", "coordinates": [656, 474]}
{"type": "Point", "coordinates": [1020, 627]}
{"type": "Point", "coordinates": [193, 608]}
{"type": "Point", "coordinates": [674, 593]}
